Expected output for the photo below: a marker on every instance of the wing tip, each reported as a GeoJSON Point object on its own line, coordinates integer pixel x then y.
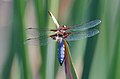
{"type": "Point", "coordinates": [95, 30]}
{"type": "Point", "coordinates": [99, 21]}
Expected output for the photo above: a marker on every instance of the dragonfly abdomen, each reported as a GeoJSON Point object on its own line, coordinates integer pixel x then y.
{"type": "Point", "coordinates": [61, 52]}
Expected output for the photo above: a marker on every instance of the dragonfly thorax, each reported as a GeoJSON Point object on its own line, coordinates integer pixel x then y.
{"type": "Point", "coordinates": [60, 35]}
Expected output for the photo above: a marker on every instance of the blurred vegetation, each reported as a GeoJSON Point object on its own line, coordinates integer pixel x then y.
{"type": "Point", "coordinates": [97, 57]}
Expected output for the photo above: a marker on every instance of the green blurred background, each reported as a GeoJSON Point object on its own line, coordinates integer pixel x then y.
{"type": "Point", "coordinates": [97, 57]}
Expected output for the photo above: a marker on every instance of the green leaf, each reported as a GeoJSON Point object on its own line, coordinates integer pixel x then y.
{"type": "Point", "coordinates": [17, 42]}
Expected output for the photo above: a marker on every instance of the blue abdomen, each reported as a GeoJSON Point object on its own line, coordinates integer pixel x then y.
{"type": "Point", "coordinates": [61, 52]}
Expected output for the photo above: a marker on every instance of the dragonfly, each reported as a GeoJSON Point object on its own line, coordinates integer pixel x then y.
{"type": "Point", "coordinates": [64, 33]}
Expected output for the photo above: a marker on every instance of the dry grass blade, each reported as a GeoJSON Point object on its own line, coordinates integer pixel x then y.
{"type": "Point", "coordinates": [69, 67]}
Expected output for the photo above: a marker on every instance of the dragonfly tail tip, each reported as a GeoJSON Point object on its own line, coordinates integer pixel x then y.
{"type": "Point", "coordinates": [61, 64]}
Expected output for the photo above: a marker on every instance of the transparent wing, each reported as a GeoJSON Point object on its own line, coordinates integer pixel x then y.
{"type": "Point", "coordinates": [37, 32]}
{"type": "Point", "coordinates": [85, 26]}
{"type": "Point", "coordinates": [38, 37]}
{"type": "Point", "coordinates": [43, 40]}
{"type": "Point", "coordinates": [82, 35]}
{"type": "Point", "coordinates": [38, 40]}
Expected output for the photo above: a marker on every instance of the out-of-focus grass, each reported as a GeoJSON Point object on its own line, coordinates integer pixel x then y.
{"type": "Point", "coordinates": [95, 58]}
{"type": "Point", "coordinates": [41, 16]}
{"type": "Point", "coordinates": [51, 60]}
{"type": "Point", "coordinates": [106, 52]}
{"type": "Point", "coordinates": [93, 10]}
{"type": "Point", "coordinates": [17, 44]}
